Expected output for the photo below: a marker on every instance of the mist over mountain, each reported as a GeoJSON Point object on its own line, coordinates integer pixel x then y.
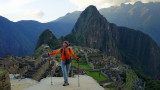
{"type": "Point", "coordinates": [130, 46]}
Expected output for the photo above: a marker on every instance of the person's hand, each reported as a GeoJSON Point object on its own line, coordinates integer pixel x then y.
{"type": "Point", "coordinates": [48, 56]}
{"type": "Point", "coordinates": [78, 58]}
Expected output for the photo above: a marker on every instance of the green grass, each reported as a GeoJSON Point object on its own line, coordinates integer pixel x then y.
{"type": "Point", "coordinates": [111, 87]}
{"type": "Point", "coordinates": [2, 71]}
{"type": "Point", "coordinates": [130, 79]}
{"type": "Point", "coordinates": [98, 76]}
{"type": "Point", "coordinates": [58, 57]}
{"type": "Point", "coordinates": [82, 66]}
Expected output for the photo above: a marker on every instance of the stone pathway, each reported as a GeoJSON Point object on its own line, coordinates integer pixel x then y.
{"type": "Point", "coordinates": [86, 83]}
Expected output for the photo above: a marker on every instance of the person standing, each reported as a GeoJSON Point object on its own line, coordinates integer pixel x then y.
{"type": "Point", "coordinates": [66, 53]}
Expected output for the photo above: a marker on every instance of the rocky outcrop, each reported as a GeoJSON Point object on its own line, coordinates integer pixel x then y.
{"type": "Point", "coordinates": [39, 73]}
{"type": "Point", "coordinates": [4, 80]}
{"type": "Point", "coordinates": [130, 46]}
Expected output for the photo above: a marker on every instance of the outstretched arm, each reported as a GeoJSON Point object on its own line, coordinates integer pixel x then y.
{"type": "Point", "coordinates": [74, 54]}
{"type": "Point", "coordinates": [56, 52]}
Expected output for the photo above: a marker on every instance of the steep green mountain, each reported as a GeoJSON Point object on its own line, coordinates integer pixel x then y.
{"type": "Point", "coordinates": [48, 38]}
{"type": "Point", "coordinates": [139, 16]}
{"type": "Point", "coordinates": [130, 46]}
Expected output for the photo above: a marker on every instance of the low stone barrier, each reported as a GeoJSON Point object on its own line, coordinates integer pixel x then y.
{"type": "Point", "coordinates": [5, 82]}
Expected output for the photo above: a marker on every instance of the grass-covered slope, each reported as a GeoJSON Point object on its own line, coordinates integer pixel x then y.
{"type": "Point", "coordinates": [2, 71]}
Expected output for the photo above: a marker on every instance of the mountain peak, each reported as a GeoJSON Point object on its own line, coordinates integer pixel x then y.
{"type": "Point", "coordinates": [91, 7]}
{"type": "Point", "coordinates": [47, 37]}
{"type": "Point", "coordinates": [92, 16]}
{"type": "Point", "coordinates": [3, 19]}
{"type": "Point", "coordinates": [138, 3]}
{"type": "Point", "coordinates": [90, 10]}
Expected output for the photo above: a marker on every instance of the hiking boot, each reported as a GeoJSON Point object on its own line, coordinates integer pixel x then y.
{"type": "Point", "coordinates": [65, 84]}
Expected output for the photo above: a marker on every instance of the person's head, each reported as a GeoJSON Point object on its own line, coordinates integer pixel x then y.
{"type": "Point", "coordinates": [65, 44]}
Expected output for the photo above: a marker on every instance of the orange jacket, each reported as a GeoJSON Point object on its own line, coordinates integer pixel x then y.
{"type": "Point", "coordinates": [63, 56]}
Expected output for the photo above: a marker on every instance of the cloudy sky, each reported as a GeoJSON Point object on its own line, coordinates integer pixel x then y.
{"type": "Point", "coordinates": [49, 10]}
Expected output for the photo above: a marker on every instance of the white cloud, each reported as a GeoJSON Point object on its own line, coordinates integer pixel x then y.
{"type": "Point", "coordinates": [144, 1]}
{"type": "Point", "coordinates": [84, 3]}
{"type": "Point", "coordinates": [81, 4]}
{"type": "Point", "coordinates": [35, 13]}
{"type": "Point", "coordinates": [18, 3]}
{"type": "Point", "coordinates": [12, 6]}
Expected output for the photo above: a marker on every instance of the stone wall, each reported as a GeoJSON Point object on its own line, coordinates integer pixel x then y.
{"type": "Point", "coordinates": [5, 82]}
{"type": "Point", "coordinates": [37, 76]}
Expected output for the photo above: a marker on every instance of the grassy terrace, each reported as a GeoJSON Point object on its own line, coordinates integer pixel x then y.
{"type": "Point", "coordinates": [130, 79]}
{"type": "Point", "coordinates": [84, 66]}
{"type": "Point", "coordinates": [98, 76]}
{"type": "Point", "coordinates": [2, 71]}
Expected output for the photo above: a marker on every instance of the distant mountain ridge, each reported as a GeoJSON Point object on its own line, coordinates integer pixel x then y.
{"type": "Point", "coordinates": [130, 46]}
{"type": "Point", "coordinates": [140, 16]}
{"type": "Point", "coordinates": [19, 38]}
{"type": "Point", "coordinates": [69, 17]}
